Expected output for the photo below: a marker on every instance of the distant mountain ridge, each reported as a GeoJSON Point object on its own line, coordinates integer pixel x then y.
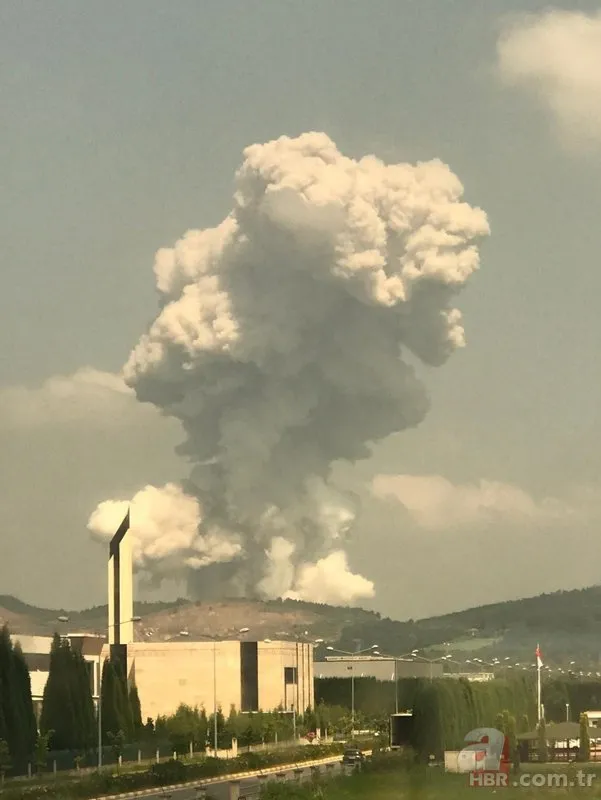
{"type": "Point", "coordinates": [567, 624]}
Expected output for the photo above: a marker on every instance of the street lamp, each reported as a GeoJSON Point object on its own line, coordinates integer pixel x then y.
{"type": "Point", "coordinates": [396, 659]}
{"type": "Point", "coordinates": [431, 661]}
{"type": "Point", "coordinates": [214, 638]}
{"type": "Point", "coordinates": [356, 653]}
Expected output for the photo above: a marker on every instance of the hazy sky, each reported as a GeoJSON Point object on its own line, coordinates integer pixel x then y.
{"type": "Point", "coordinates": [123, 124]}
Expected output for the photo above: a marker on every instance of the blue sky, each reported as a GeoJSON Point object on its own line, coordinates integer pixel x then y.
{"type": "Point", "coordinates": [123, 125]}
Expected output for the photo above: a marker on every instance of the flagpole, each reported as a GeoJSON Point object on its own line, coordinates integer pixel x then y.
{"type": "Point", "coordinates": [538, 687]}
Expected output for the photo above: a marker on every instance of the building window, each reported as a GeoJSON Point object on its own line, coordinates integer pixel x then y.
{"type": "Point", "coordinates": [290, 676]}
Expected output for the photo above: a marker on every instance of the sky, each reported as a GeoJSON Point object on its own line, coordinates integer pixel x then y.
{"type": "Point", "coordinates": [123, 126]}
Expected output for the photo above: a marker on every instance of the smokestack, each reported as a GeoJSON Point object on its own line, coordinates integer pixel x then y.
{"type": "Point", "coordinates": [120, 587]}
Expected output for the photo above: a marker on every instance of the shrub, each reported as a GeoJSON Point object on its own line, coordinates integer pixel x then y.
{"type": "Point", "coordinates": [169, 772]}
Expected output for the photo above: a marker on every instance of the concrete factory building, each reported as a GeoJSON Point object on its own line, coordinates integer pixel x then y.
{"type": "Point", "coordinates": [248, 675]}
{"type": "Point", "coordinates": [381, 668]}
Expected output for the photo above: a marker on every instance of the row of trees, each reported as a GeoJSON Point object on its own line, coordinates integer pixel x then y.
{"type": "Point", "coordinates": [192, 726]}
{"type": "Point", "coordinates": [18, 728]}
{"type": "Point", "coordinates": [68, 718]}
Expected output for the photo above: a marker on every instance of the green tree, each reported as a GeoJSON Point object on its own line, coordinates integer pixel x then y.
{"type": "Point", "coordinates": [543, 752]}
{"type": "Point", "coordinates": [136, 709]}
{"type": "Point", "coordinates": [5, 758]}
{"type": "Point", "coordinates": [510, 731]}
{"type": "Point", "coordinates": [41, 751]}
{"type": "Point", "coordinates": [188, 726]}
{"type": "Point", "coordinates": [67, 705]}
{"type": "Point", "coordinates": [116, 740]}
{"type": "Point", "coordinates": [82, 700]}
{"type": "Point", "coordinates": [17, 719]}
{"type": "Point", "coordinates": [584, 752]}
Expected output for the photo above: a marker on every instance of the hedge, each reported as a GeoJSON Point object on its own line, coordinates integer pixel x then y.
{"type": "Point", "coordinates": [165, 774]}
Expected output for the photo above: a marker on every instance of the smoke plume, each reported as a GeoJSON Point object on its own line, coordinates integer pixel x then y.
{"type": "Point", "coordinates": [279, 345]}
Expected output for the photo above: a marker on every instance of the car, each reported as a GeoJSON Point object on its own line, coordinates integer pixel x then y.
{"type": "Point", "coordinates": [353, 757]}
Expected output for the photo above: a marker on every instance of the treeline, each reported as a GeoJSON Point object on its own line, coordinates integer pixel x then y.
{"type": "Point", "coordinates": [581, 695]}
{"type": "Point", "coordinates": [194, 727]}
{"type": "Point", "coordinates": [18, 728]}
{"type": "Point", "coordinates": [68, 719]}
{"type": "Point", "coordinates": [444, 709]}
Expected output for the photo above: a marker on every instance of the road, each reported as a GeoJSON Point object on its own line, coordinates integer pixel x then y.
{"type": "Point", "coordinates": [248, 787]}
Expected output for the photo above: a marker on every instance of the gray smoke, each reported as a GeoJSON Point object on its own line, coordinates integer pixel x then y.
{"type": "Point", "coordinates": [279, 345]}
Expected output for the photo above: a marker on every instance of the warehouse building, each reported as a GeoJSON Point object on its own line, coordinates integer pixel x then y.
{"type": "Point", "coordinates": [248, 675]}
{"type": "Point", "coordinates": [381, 668]}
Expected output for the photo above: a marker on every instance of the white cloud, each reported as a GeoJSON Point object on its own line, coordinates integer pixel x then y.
{"type": "Point", "coordinates": [557, 55]}
{"type": "Point", "coordinates": [98, 399]}
{"type": "Point", "coordinates": [436, 504]}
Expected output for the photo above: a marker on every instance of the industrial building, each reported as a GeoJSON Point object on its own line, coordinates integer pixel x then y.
{"type": "Point", "coordinates": [381, 668]}
{"type": "Point", "coordinates": [249, 675]}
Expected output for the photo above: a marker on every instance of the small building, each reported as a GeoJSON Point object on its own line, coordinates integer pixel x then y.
{"type": "Point", "coordinates": [381, 668]}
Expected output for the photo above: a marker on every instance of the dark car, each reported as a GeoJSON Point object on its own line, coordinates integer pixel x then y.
{"type": "Point", "coordinates": [353, 757]}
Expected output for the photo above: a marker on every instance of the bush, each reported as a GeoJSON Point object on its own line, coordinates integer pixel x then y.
{"type": "Point", "coordinates": [169, 772]}
{"type": "Point", "coordinates": [164, 774]}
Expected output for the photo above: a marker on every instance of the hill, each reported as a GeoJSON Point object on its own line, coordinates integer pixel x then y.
{"type": "Point", "coordinates": [567, 625]}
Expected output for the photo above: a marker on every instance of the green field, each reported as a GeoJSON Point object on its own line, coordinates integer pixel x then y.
{"type": "Point", "coordinates": [432, 784]}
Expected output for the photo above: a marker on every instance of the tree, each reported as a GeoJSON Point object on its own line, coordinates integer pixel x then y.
{"type": "Point", "coordinates": [5, 758]}
{"type": "Point", "coordinates": [83, 701]}
{"type": "Point", "coordinates": [136, 709]}
{"type": "Point", "coordinates": [17, 719]}
{"type": "Point", "coordinates": [120, 701]}
{"type": "Point", "coordinates": [188, 726]}
{"type": "Point", "coordinates": [510, 731]}
{"type": "Point", "coordinates": [543, 752]}
{"type": "Point", "coordinates": [67, 706]}
{"type": "Point", "coordinates": [585, 740]}
{"type": "Point", "coordinates": [111, 713]}
{"type": "Point", "coordinates": [41, 751]}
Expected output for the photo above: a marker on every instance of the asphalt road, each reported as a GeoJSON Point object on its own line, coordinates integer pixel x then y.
{"type": "Point", "coordinates": [249, 787]}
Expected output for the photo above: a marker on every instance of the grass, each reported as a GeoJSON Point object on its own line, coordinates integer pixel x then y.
{"type": "Point", "coordinates": [423, 783]}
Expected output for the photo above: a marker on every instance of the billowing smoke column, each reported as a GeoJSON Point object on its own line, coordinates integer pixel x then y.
{"type": "Point", "coordinates": [279, 346]}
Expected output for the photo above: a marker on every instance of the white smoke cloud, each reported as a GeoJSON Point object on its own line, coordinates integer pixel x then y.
{"type": "Point", "coordinates": [437, 504]}
{"type": "Point", "coordinates": [330, 581]}
{"type": "Point", "coordinates": [557, 56]}
{"type": "Point", "coordinates": [280, 343]}
{"type": "Point", "coordinates": [165, 531]}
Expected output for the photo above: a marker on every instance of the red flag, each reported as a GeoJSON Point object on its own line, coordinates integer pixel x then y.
{"type": "Point", "coordinates": [539, 658]}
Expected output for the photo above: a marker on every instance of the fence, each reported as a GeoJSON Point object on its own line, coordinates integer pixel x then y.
{"type": "Point", "coordinates": [144, 753]}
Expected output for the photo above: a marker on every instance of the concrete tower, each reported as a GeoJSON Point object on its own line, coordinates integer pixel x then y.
{"type": "Point", "coordinates": [120, 588]}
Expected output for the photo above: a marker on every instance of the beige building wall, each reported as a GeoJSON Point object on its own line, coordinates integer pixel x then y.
{"type": "Point", "coordinates": [168, 674]}
{"type": "Point", "coordinates": [274, 658]}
